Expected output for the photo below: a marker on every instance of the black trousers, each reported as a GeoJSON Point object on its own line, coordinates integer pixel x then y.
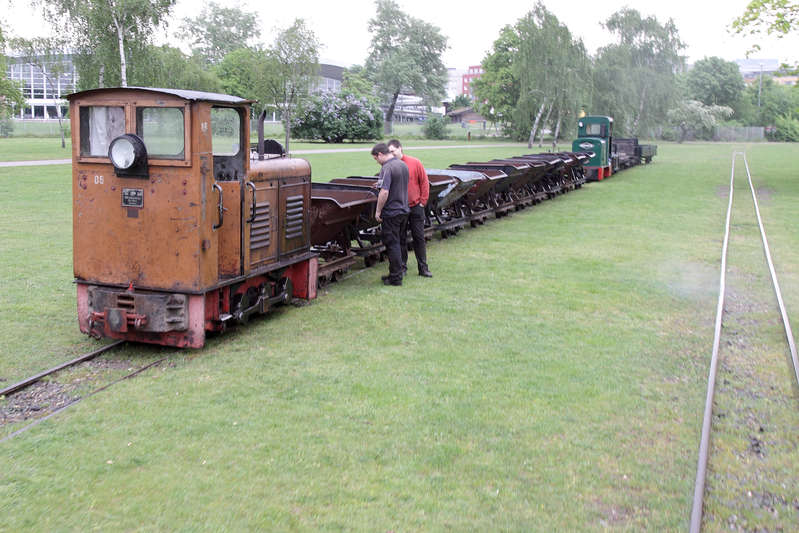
{"type": "Point", "coordinates": [394, 230]}
{"type": "Point", "coordinates": [416, 224]}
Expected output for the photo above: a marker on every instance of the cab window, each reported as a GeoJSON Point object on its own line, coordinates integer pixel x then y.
{"type": "Point", "coordinates": [162, 130]}
{"type": "Point", "coordinates": [99, 125]}
{"type": "Point", "coordinates": [226, 129]}
{"type": "Point", "coordinates": [593, 129]}
{"type": "Point", "coordinates": [227, 138]}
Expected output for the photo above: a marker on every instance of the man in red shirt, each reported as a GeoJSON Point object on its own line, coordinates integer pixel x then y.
{"type": "Point", "coordinates": [418, 194]}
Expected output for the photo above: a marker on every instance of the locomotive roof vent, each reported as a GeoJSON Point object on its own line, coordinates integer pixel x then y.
{"type": "Point", "coordinates": [129, 156]}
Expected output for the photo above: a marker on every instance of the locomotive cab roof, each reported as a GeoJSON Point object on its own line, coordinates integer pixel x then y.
{"type": "Point", "coordinates": [185, 94]}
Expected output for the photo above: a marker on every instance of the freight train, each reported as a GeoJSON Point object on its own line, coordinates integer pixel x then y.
{"type": "Point", "coordinates": [611, 154]}
{"type": "Point", "coordinates": [179, 229]}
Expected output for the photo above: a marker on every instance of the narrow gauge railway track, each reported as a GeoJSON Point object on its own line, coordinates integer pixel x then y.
{"type": "Point", "coordinates": [704, 447]}
{"type": "Point", "coordinates": [25, 383]}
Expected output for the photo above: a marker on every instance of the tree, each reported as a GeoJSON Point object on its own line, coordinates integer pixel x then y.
{"type": "Point", "coordinates": [10, 95]}
{"type": "Point", "coordinates": [355, 82]}
{"type": "Point", "coordinates": [100, 29]}
{"type": "Point", "coordinates": [772, 101]}
{"type": "Point", "coordinates": [435, 127]}
{"type": "Point", "coordinates": [635, 79]}
{"type": "Point", "coordinates": [335, 117]}
{"type": "Point", "coordinates": [166, 66]}
{"type": "Point", "coordinates": [775, 16]}
{"type": "Point", "coordinates": [217, 31]}
{"type": "Point", "coordinates": [291, 69]}
{"type": "Point", "coordinates": [462, 100]}
{"type": "Point", "coordinates": [714, 81]}
{"type": "Point", "coordinates": [47, 55]}
{"type": "Point", "coordinates": [404, 56]}
{"type": "Point", "coordinates": [536, 76]}
{"type": "Point", "coordinates": [497, 89]}
{"type": "Point", "coordinates": [692, 116]}
{"type": "Point", "coordinates": [787, 129]}
{"type": "Point", "coordinates": [242, 73]}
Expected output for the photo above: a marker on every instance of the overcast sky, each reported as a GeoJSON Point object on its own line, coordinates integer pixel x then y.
{"type": "Point", "coordinates": [342, 26]}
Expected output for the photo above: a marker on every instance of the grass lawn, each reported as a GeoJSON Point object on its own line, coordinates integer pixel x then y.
{"type": "Point", "coordinates": [550, 376]}
{"type": "Point", "coordinates": [34, 149]}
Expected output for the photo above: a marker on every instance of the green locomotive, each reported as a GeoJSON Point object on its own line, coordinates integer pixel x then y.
{"type": "Point", "coordinates": [595, 134]}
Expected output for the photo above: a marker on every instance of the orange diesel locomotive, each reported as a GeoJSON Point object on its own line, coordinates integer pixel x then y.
{"type": "Point", "coordinates": [176, 230]}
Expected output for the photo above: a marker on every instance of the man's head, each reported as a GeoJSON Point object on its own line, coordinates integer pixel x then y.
{"type": "Point", "coordinates": [381, 153]}
{"type": "Point", "coordinates": [395, 148]}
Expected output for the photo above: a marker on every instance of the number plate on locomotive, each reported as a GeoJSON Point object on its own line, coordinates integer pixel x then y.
{"type": "Point", "coordinates": [132, 197]}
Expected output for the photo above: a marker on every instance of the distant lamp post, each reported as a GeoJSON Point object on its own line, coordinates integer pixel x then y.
{"type": "Point", "coordinates": [760, 86]}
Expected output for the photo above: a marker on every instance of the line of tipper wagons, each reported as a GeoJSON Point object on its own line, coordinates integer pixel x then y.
{"type": "Point", "coordinates": [343, 226]}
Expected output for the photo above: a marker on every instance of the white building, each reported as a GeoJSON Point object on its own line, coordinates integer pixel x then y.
{"type": "Point", "coordinates": [43, 92]}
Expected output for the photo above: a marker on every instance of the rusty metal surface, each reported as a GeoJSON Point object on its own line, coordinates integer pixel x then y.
{"type": "Point", "coordinates": [335, 208]}
{"type": "Point", "coordinates": [370, 181]}
{"type": "Point", "coordinates": [156, 244]}
{"type": "Point", "coordinates": [492, 177]}
{"type": "Point", "coordinates": [438, 184]}
{"type": "Point", "coordinates": [367, 219]}
{"type": "Point", "coordinates": [464, 180]}
{"type": "Point", "coordinates": [294, 198]}
{"type": "Point", "coordinates": [162, 312]}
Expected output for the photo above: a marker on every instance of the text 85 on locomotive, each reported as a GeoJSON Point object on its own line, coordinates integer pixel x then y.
{"type": "Point", "coordinates": [175, 230]}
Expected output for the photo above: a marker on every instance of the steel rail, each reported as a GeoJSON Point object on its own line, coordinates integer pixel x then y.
{"type": "Point", "coordinates": [78, 399]}
{"type": "Point", "coordinates": [786, 323]}
{"type": "Point", "coordinates": [701, 472]}
{"type": "Point", "coordinates": [701, 469]}
{"type": "Point", "coordinates": [27, 382]}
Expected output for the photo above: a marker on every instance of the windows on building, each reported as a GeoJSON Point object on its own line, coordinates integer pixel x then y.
{"type": "Point", "coordinates": [43, 91]}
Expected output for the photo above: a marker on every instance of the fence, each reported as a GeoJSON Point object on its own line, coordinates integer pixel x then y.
{"type": "Point", "coordinates": [739, 133]}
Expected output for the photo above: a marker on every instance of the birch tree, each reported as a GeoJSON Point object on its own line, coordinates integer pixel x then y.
{"type": "Point", "coordinates": [636, 77]}
{"type": "Point", "coordinates": [101, 29]}
{"type": "Point", "coordinates": [536, 75]}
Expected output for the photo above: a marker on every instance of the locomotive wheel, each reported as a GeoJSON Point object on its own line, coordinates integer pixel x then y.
{"type": "Point", "coordinates": [285, 288]}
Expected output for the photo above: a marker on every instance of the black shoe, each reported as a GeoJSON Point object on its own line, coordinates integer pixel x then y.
{"type": "Point", "coordinates": [384, 278]}
{"type": "Point", "coordinates": [426, 274]}
{"type": "Point", "coordinates": [395, 282]}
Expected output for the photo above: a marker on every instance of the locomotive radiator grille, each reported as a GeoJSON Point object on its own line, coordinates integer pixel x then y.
{"type": "Point", "coordinates": [261, 228]}
{"type": "Point", "coordinates": [126, 301]}
{"type": "Point", "coordinates": [295, 213]}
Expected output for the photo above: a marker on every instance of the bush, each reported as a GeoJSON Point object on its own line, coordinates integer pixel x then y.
{"type": "Point", "coordinates": [6, 127]}
{"type": "Point", "coordinates": [333, 118]}
{"type": "Point", "coordinates": [435, 127]}
{"type": "Point", "coordinates": [787, 129]}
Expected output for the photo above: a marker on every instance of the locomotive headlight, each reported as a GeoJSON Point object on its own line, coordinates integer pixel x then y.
{"type": "Point", "coordinates": [128, 155]}
{"type": "Point", "coordinates": [122, 153]}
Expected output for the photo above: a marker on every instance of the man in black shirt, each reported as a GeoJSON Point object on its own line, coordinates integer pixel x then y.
{"type": "Point", "coordinates": [392, 209]}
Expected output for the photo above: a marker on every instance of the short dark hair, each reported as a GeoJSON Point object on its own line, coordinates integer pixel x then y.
{"type": "Point", "coordinates": [380, 148]}
{"type": "Point", "coordinates": [395, 143]}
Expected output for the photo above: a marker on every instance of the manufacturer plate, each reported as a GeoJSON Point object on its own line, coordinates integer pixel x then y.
{"type": "Point", "coordinates": [132, 197]}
